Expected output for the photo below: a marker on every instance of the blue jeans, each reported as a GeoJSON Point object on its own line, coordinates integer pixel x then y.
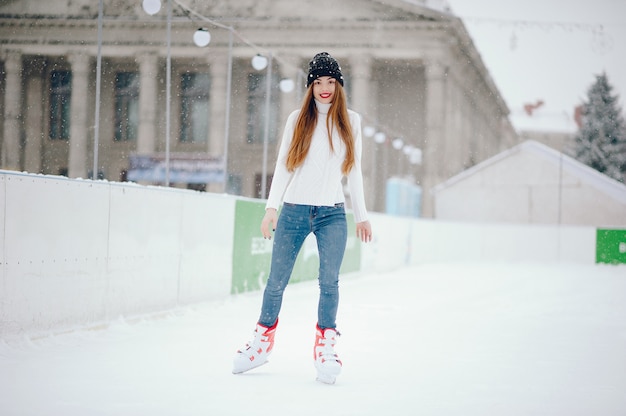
{"type": "Point", "coordinates": [295, 223]}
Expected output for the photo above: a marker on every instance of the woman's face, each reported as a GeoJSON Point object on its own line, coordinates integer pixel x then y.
{"type": "Point", "coordinates": [324, 89]}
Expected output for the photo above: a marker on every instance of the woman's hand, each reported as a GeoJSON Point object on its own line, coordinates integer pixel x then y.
{"type": "Point", "coordinates": [364, 231]}
{"type": "Point", "coordinates": [269, 223]}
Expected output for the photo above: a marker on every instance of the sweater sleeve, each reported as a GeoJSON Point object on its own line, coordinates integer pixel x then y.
{"type": "Point", "coordinates": [282, 176]}
{"type": "Point", "coordinates": [355, 177]}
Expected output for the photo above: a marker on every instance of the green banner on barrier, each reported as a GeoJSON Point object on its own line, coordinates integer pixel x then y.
{"type": "Point", "coordinates": [252, 253]}
{"type": "Point", "coordinates": [611, 246]}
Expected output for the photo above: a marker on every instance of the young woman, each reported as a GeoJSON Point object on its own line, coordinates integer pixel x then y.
{"type": "Point", "coordinates": [321, 144]}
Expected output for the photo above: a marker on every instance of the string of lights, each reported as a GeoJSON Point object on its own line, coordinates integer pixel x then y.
{"type": "Point", "coordinates": [537, 24]}
{"type": "Point", "coordinates": [380, 134]}
{"type": "Point", "coordinates": [189, 11]}
{"type": "Point", "coordinates": [601, 41]}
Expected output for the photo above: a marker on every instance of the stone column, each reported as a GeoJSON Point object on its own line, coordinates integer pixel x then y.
{"type": "Point", "coordinates": [434, 152]}
{"type": "Point", "coordinates": [12, 110]}
{"type": "Point", "coordinates": [290, 67]}
{"type": "Point", "coordinates": [79, 126]}
{"type": "Point", "coordinates": [218, 67]}
{"type": "Point", "coordinates": [148, 86]}
{"type": "Point", "coordinates": [33, 116]}
{"type": "Point", "coordinates": [216, 143]}
{"type": "Point", "coordinates": [363, 103]}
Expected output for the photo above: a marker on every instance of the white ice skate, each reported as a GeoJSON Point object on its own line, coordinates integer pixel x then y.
{"type": "Point", "coordinates": [256, 351]}
{"type": "Point", "coordinates": [327, 362]}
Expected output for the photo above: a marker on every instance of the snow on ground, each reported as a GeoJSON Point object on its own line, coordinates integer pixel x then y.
{"type": "Point", "coordinates": [470, 339]}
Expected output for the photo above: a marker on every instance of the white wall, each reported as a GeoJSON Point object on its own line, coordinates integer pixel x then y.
{"type": "Point", "coordinates": [78, 253]}
{"type": "Point", "coordinates": [437, 241]}
{"type": "Point", "coordinates": [401, 241]}
{"type": "Point", "coordinates": [532, 184]}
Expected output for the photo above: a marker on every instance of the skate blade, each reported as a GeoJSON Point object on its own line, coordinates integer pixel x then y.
{"type": "Point", "coordinates": [326, 378]}
{"type": "Point", "coordinates": [328, 369]}
{"type": "Point", "coordinates": [241, 370]}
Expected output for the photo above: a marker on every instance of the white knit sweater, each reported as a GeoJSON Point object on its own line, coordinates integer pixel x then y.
{"type": "Point", "coordinates": [317, 181]}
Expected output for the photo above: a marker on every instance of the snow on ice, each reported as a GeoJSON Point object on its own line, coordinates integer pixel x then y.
{"type": "Point", "coordinates": [438, 339]}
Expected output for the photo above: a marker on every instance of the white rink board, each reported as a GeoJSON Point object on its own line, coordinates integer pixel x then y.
{"type": "Point", "coordinates": [444, 241]}
{"type": "Point", "coordinates": [206, 245]}
{"type": "Point", "coordinates": [82, 253]}
{"type": "Point", "coordinates": [55, 248]}
{"type": "Point", "coordinates": [3, 217]}
{"type": "Point", "coordinates": [389, 248]}
{"type": "Point", "coordinates": [143, 251]}
{"type": "Point", "coordinates": [78, 252]}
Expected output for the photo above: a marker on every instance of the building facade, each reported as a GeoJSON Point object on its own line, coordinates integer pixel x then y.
{"type": "Point", "coordinates": [429, 107]}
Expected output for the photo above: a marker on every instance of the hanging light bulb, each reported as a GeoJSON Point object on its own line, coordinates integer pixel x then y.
{"type": "Point", "coordinates": [151, 7]}
{"type": "Point", "coordinates": [380, 137]}
{"type": "Point", "coordinates": [369, 131]}
{"type": "Point", "coordinates": [259, 62]}
{"type": "Point", "coordinates": [287, 85]}
{"type": "Point", "coordinates": [397, 143]}
{"type": "Point", "coordinates": [202, 37]}
{"type": "Point", "coordinates": [416, 156]}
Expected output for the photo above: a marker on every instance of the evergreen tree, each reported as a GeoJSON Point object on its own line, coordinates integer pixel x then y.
{"type": "Point", "coordinates": [601, 140]}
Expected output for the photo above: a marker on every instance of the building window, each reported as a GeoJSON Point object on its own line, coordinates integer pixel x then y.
{"type": "Point", "coordinates": [60, 98]}
{"type": "Point", "coordinates": [126, 106]}
{"type": "Point", "coordinates": [234, 185]}
{"type": "Point", "coordinates": [194, 114]}
{"type": "Point", "coordinates": [256, 107]}
{"type": "Point", "coordinates": [258, 185]}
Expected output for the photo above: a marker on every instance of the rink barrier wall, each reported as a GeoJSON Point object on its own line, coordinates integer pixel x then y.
{"type": "Point", "coordinates": [76, 253]}
{"type": "Point", "coordinates": [79, 252]}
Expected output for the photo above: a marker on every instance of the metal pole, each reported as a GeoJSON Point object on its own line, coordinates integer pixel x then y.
{"type": "Point", "coordinates": [300, 82]}
{"type": "Point", "coordinates": [266, 133]}
{"type": "Point", "coordinates": [229, 79]}
{"type": "Point", "coordinates": [96, 126]}
{"type": "Point", "coordinates": [560, 191]}
{"type": "Point", "coordinates": [168, 92]}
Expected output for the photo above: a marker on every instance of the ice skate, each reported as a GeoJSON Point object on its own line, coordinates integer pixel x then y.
{"type": "Point", "coordinates": [256, 351]}
{"type": "Point", "coordinates": [327, 362]}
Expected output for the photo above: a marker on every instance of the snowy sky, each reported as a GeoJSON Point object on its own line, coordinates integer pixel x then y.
{"type": "Point", "coordinates": [548, 50]}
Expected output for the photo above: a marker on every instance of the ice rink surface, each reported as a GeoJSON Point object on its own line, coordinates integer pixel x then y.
{"type": "Point", "coordinates": [437, 339]}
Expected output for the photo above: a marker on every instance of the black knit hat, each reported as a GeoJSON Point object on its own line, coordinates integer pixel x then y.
{"type": "Point", "coordinates": [323, 65]}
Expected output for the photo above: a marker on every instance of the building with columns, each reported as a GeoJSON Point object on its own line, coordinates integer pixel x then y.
{"type": "Point", "coordinates": [411, 71]}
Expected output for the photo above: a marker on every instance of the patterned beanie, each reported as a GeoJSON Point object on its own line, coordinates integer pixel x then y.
{"type": "Point", "coordinates": [323, 65]}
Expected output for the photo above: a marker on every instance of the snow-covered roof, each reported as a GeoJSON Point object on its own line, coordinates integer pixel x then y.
{"type": "Point", "coordinates": [586, 174]}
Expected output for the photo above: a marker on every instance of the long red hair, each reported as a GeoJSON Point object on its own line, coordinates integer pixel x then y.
{"type": "Point", "coordinates": [307, 119]}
